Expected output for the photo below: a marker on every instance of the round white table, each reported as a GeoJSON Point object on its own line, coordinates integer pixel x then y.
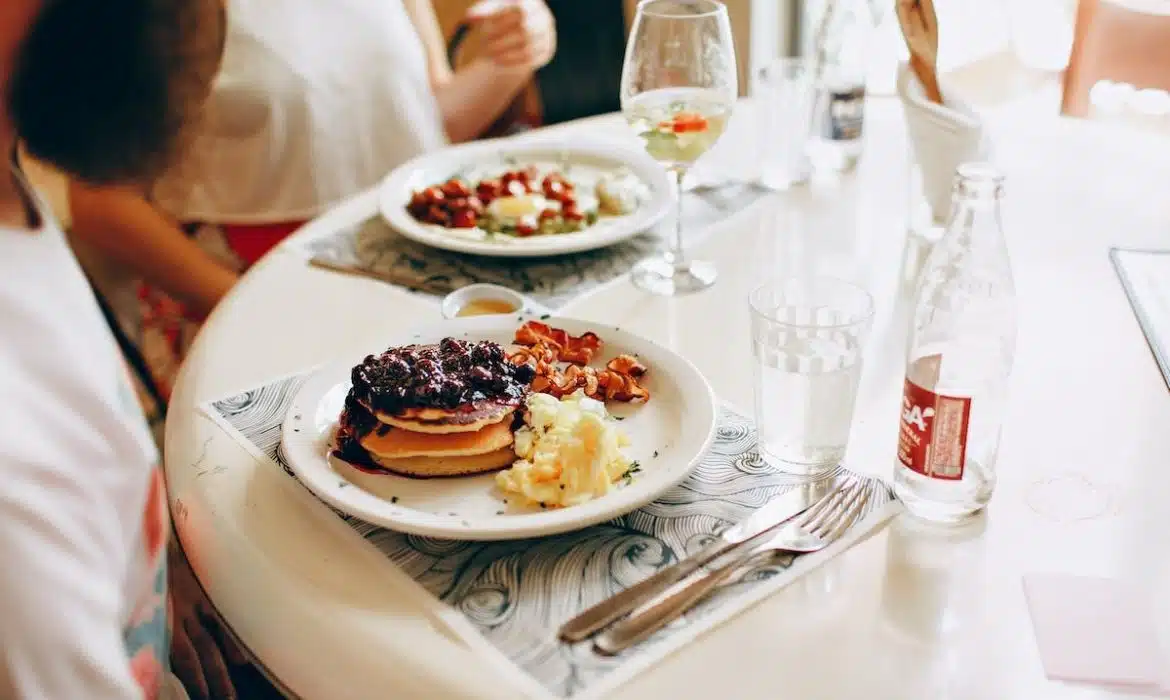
{"type": "Point", "coordinates": [1084, 485]}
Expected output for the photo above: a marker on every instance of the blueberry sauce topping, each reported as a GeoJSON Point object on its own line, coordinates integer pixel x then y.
{"type": "Point", "coordinates": [451, 375]}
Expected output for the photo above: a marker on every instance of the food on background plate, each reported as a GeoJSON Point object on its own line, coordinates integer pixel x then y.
{"type": "Point", "coordinates": [525, 202]}
{"type": "Point", "coordinates": [458, 408]}
{"type": "Point", "coordinates": [569, 450]}
{"type": "Point", "coordinates": [433, 410]}
{"type": "Point", "coordinates": [617, 195]}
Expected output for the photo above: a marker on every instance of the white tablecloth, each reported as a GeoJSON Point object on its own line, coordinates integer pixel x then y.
{"type": "Point", "coordinates": [1083, 486]}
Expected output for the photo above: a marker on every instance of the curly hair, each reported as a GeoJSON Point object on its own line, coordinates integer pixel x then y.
{"type": "Point", "coordinates": [105, 90]}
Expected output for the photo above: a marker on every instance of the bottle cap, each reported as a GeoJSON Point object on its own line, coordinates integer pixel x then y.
{"type": "Point", "coordinates": [978, 179]}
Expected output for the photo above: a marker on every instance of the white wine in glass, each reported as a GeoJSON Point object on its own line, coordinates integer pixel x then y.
{"type": "Point", "coordinates": [678, 125]}
{"type": "Point", "coordinates": [678, 87]}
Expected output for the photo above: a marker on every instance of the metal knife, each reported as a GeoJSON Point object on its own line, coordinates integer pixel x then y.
{"type": "Point", "coordinates": [772, 514]}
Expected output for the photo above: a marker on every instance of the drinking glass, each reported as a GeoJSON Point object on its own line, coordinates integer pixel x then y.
{"type": "Point", "coordinates": [808, 334]}
{"type": "Point", "coordinates": [784, 98]}
{"type": "Point", "coordinates": [677, 91]}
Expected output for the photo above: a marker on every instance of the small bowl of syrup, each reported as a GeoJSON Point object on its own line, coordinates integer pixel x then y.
{"type": "Point", "coordinates": [486, 299]}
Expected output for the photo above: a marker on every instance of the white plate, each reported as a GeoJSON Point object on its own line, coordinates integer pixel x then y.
{"type": "Point", "coordinates": [669, 433]}
{"type": "Point", "coordinates": [439, 166]}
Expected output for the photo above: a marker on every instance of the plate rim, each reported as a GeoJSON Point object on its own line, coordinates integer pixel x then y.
{"type": "Point", "coordinates": [393, 214]}
{"type": "Point", "coordinates": [525, 525]}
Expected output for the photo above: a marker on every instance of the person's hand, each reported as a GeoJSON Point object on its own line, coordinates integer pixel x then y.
{"type": "Point", "coordinates": [516, 33]}
{"type": "Point", "coordinates": [211, 285]}
{"type": "Point", "coordinates": [200, 653]}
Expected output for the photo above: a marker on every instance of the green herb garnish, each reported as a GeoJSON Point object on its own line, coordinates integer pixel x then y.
{"type": "Point", "coordinates": [629, 475]}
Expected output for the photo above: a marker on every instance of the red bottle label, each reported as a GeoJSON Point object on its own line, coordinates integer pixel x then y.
{"type": "Point", "coordinates": [932, 440]}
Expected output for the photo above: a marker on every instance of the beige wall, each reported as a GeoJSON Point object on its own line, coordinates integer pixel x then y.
{"type": "Point", "coordinates": [740, 12]}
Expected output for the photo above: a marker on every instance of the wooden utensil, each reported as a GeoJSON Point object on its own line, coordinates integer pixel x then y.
{"type": "Point", "coordinates": [920, 30]}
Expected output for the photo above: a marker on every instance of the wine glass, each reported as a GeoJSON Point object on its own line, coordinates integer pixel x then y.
{"type": "Point", "coordinates": [678, 89]}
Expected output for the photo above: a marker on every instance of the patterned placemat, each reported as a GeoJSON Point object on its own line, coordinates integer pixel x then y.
{"type": "Point", "coordinates": [375, 250]}
{"type": "Point", "coordinates": [506, 599]}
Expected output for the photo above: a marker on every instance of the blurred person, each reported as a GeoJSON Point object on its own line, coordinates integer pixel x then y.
{"type": "Point", "coordinates": [100, 91]}
{"type": "Point", "coordinates": [584, 76]}
{"type": "Point", "coordinates": [314, 103]}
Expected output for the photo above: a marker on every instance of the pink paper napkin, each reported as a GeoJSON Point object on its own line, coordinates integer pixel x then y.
{"type": "Point", "coordinates": [1098, 631]}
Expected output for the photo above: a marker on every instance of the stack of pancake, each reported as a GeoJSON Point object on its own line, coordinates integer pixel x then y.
{"type": "Point", "coordinates": [436, 442]}
{"type": "Point", "coordinates": [432, 411]}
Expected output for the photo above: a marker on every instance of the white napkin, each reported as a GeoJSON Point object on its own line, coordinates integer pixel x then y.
{"type": "Point", "coordinates": [942, 137]}
{"type": "Point", "coordinates": [1096, 631]}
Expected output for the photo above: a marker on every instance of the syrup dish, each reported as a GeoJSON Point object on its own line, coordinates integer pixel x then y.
{"type": "Point", "coordinates": [483, 299]}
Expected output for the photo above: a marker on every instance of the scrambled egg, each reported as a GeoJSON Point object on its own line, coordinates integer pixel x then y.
{"type": "Point", "coordinates": [569, 452]}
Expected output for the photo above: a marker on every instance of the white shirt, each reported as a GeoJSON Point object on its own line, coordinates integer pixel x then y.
{"type": "Point", "coordinates": [316, 101]}
{"type": "Point", "coordinates": [83, 515]}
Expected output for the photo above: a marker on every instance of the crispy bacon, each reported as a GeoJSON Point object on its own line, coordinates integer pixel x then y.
{"type": "Point", "coordinates": [578, 350]}
{"type": "Point", "coordinates": [539, 356]}
{"type": "Point", "coordinates": [545, 348]}
{"type": "Point", "coordinates": [623, 387]}
{"type": "Point", "coordinates": [608, 384]}
{"type": "Point", "coordinates": [603, 385]}
{"type": "Point", "coordinates": [572, 379]}
{"type": "Point", "coordinates": [542, 384]}
{"type": "Point", "coordinates": [626, 364]}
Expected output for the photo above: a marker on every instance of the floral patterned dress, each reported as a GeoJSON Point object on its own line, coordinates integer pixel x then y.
{"type": "Point", "coordinates": [163, 330]}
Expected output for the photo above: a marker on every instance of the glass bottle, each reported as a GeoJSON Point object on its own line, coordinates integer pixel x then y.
{"type": "Point", "coordinates": [961, 349]}
{"type": "Point", "coordinates": [840, 36]}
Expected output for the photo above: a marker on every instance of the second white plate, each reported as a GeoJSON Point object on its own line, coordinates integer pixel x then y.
{"type": "Point", "coordinates": [437, 167]}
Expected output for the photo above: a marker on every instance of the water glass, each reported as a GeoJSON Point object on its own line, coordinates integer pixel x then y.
{"type": "Point", "coordinates": [808, 335]}
{"type": "Point", "coordinates": [784, 97]}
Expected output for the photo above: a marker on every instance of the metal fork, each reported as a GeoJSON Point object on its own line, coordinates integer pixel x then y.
{"type": "Point", "coordinates": [818, 527]}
